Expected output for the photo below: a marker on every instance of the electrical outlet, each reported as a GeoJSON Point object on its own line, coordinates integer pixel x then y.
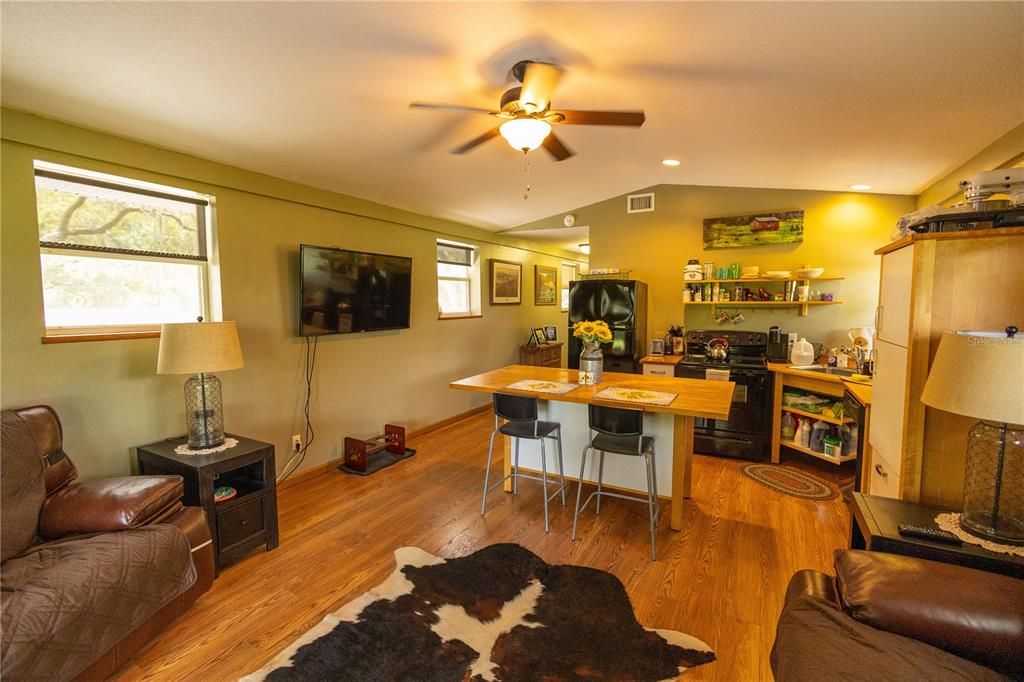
{"type": "Point", "coordinates": [296, 443]}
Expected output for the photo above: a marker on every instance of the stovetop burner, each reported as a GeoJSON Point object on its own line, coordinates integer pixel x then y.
{"type": "Point", "coordinates": [746, 349]}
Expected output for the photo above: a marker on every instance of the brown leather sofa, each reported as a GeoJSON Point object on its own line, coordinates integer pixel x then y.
{"type": "Point", "coordinates": [91, 571]}
{"type": "Point", "coordinates": [891, 617]}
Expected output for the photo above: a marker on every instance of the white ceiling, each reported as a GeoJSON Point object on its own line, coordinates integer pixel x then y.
{"type": "Point", "coordinates": [799, 95]}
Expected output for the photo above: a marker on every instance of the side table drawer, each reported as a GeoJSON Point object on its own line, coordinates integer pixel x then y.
{"type": "Point", "coordinates": [241, 522]}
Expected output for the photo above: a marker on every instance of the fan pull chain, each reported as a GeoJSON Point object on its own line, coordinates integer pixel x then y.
{"type": "Point", "coordinates": [526, 175]}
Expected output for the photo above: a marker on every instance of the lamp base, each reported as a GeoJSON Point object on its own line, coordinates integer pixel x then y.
{"type": "Point", "coordinates": [979, 524]}
{"type": "Point", "coordinates": [204, 412]}
{"type": "Point", "coordinates": [993, 507]}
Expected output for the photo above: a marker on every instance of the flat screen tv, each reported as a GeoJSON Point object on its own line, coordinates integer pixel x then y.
{"type": "Point", "coordinates": [351, 291]}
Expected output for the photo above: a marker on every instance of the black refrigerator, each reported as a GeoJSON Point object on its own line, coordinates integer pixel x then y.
{"type": "Point", "coordinates": [622, 303]}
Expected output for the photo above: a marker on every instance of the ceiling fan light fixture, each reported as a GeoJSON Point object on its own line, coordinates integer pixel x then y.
{"type": "Point", "coordinates": [525, 134]}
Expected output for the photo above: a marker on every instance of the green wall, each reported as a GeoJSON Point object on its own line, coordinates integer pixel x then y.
{"type": "Point", "coordinates": [841, 232]}
{"type": "Point", "coordinates": [107, 392]}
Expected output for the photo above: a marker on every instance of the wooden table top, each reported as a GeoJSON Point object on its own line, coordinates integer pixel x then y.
{"type": "Point", "coordinates": [694, 397]}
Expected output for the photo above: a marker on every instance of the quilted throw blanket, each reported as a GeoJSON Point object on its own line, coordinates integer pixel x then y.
{"type": "Point", "coordinates": [66, 603]}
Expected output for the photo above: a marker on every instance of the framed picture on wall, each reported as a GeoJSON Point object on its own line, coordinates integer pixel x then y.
{"type": "Point", "coordinates": [545, 285]}
{"type": "Point", "coordinates": [506, 282]}
{"type": "Point", "coordinates": [551, 333]}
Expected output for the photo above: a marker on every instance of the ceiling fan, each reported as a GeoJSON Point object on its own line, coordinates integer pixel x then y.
{"type": "Point", "coordinates": [528, 116]}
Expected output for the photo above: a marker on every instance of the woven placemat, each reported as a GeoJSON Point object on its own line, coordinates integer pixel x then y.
{"type": "Point", "coordinates": [636, 395]}
{"type": "Point", "coordinates": [950, 522]}
{"type": "Point", "coordinates": [541, 386]}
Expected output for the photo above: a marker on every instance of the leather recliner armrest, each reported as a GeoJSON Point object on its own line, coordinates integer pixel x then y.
{"type": "Point", "coordinates": [813, 584]}
{"type": "Point", "coordinates": [110, 504]}
{"type": "Point", "coordinates": [974, 614]}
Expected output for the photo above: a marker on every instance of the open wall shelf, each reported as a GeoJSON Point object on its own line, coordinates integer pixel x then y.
{"type": "Point", "coordinates": [804, 306]}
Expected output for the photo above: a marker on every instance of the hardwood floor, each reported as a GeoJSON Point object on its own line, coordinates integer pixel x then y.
{"type": "Point", "coordinates": [721, 579]}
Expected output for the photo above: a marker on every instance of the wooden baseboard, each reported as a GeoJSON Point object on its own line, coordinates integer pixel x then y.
{"type": "Point", "coordinates": [430, 428]}
{"type": "Point", "coordinates": [604, 486]}
{"type": "Point", "coordinates": [335, 463]}
{"type": "Point", "coordinates": [307, 474]}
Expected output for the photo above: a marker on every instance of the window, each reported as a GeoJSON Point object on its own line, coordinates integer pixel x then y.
{"type": "Point", "coordinates": [458, 294]}
{"type": "Point", "coordinates": [119, 255]}
{"type": "Point", "coordinates": [569, 273]}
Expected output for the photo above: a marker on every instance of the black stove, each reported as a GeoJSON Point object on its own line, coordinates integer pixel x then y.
{"type": "Point", "coordinates": [746, 434]}
{"type": "Point", "coordinates": [746, 348]}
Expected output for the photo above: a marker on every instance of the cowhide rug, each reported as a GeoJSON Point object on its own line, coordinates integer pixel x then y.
{"type": "Point", "coordinates": [498, 614]}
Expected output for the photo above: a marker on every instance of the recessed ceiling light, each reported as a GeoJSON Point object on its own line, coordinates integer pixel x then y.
{"type": "Point", "coordinates": [860, 187]}
{"type": "Point", "coordinates": [670, 162]}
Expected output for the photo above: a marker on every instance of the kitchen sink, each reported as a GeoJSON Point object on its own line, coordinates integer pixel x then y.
{"type": "Point", "coordinates": [822, 369]}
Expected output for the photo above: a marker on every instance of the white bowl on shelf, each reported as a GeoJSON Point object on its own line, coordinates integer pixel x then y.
{"type": "Point", "coordinates": [778, 274]}
{"type": "Point", "coordinates": [810, 273]}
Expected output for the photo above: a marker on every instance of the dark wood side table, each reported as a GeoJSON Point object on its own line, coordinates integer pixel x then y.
{"type": "Point", "coordinates": [874, 527]}
{"type": "Point", "coordinates": [236, 525]}
{"type": "Point", "coordinates": [543, 355]}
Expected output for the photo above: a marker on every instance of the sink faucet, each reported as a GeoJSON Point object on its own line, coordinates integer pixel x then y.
{"type": "Point", "coordinates": [859, 354]}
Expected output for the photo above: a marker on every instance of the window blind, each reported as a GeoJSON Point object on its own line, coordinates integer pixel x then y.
{"type": "Point", "coordinates": [454, 254]}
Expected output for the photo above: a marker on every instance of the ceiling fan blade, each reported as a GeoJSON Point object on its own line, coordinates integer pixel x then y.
{"type": "Point", "coordinates": [556, 147]}
{"type": "Point", "coordinates": [602, 118]}
{"type": "Point", "coordinates": [450, 107]}
{"type": "Point", "coordinates": [476, 141]}
{"type": "Point", "coordinates": [539, 82]}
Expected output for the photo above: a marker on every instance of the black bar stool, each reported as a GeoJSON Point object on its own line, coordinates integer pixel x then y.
{"type": "Point", "coordinates": [520, 414]}
{"type": "Point", "coordinates": [620, 432]}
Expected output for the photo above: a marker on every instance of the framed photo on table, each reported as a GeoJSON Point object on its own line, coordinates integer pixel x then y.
{"type": "Point", "coordinates": [506, 282]}
{"type": "Point", "coordinates": [551, 333]}
{"type": "Point", "coordinates": [538, 336]}
{"type": "Point", "coordinates": [545, 285]}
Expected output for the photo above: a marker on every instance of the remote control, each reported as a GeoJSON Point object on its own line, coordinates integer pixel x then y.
{"type": "Point", "coordinates": [933, 534]}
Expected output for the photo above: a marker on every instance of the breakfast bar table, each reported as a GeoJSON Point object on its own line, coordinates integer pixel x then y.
{"type": "Point", "coordinates": [671, 423]}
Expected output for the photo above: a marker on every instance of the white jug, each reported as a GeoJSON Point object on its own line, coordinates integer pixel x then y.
{"type": "Point", "coordinates": [802, 353]}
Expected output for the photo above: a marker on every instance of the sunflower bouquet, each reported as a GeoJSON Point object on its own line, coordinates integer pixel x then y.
{"type": "Point", "coordinates": [592, 332]}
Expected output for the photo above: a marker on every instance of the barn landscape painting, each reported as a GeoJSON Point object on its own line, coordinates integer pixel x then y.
{"type": "Point", "coordinates": [759, 229]}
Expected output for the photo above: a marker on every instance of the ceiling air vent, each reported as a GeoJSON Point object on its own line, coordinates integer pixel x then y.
{"type": "Point", "coordinates": [640, 203]}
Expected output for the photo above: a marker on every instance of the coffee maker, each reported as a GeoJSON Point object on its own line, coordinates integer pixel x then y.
{"type": "Point", "coordinates": [778, 345]}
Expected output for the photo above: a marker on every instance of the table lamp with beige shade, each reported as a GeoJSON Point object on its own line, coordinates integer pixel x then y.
{"type": "Point", "coordinates": [981, 375]}
{"type": "Point", "coordinates": [200, 349]}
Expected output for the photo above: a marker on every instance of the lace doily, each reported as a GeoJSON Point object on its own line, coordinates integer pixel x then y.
{"type": "Point", "coordinates": [951, 522]}
{"type": "Point", "coordinates": [229, 443]}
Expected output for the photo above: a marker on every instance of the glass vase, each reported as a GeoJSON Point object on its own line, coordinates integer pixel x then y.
{"type": "Point", "coordinates": [993, 506]}
{"type": "Point", "coordinates": [204, 412]}
{"type": "Point", "coordinates": [591, 364]}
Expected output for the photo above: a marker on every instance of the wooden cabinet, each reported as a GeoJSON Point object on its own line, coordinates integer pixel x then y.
{"type": "Point", "coordinates": [929, 284]}
{"type": "Point", "coordinates": [542, 355]}
{"type": "Point", "coordinates": [893, 316]}
{"type": "Point", "coordinates": [888, 389]}
{"type": "Point", "coordinates": [659, 371]}
{"type": "Point", "coordinates": [660, 365]}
